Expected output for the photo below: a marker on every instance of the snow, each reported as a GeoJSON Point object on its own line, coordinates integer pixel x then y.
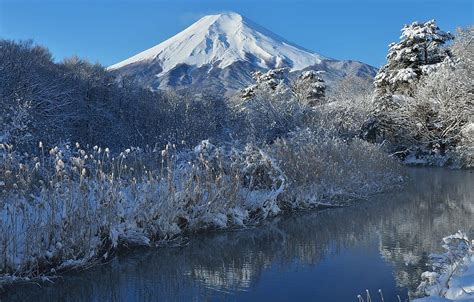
{"type": "Point", "coordinates": [76, 218]}
{"type": "Point", "coordinates": [454, 276]}
{"type": "Point", "coordinates": [222, 40]}
{"type": "Point", "coordinates": [462, 285]}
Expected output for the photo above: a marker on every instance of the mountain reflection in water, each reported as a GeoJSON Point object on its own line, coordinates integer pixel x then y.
{"type": "Point", "coordinates": [330, 255]}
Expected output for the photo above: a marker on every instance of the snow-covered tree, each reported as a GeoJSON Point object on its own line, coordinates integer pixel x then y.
{"type": "Point", "coordinates": [309, 88]}
{"type": "Point", "coordinates": [272, 81]}
{"type": "Point", "coordinates": [347, 107]}
{"type": "Point", "coordinates": [267, 109]}
{"type": "Point", "coordinates": [432, 120]}
{"type": "Point", "coordinates": [420, 47]}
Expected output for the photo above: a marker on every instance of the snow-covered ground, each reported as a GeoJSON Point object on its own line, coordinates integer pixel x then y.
{"type": "Point", "coordinates": [452, 278]}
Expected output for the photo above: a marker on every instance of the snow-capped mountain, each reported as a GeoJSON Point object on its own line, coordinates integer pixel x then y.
{"type": "Point", "coordinates": [220, 51]}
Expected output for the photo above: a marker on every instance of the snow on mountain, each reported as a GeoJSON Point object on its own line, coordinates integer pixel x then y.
{"type": "Point", "coordinates": [220, 52]}
{"type": "Point", "coordinates": [222, 40]}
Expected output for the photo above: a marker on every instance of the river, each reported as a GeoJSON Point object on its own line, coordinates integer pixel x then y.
{"type": "Point", "coordinates": [329, 255]}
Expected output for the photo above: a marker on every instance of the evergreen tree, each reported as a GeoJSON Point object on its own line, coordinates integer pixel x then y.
{"type": "Point", "coordinates": [419, 50]}
{"type": "Point", "coordinates": [431, 120]}
{"type": "Point", "coordinates": [309, 88]}
{"type": "Point", "coordinates": [272, 81]}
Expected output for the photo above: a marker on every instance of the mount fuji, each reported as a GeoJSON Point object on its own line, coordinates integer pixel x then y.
{"type": "Point", "coordinates": [220, 52]}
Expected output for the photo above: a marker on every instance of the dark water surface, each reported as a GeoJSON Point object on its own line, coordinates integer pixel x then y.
{"type": "Point", "coordinates": [330, 255]}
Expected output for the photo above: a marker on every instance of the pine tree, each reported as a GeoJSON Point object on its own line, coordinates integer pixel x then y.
{"type": "Point", "coordinates": [271, 82]}
{"type": "Point", "coordinates": [309, 88]}
{"type": "Point", "coordinates": [419, 50]}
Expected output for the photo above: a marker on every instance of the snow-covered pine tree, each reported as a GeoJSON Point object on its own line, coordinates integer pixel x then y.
{"type": "Point", "coordinates": [419, 52]}
{"type": "Point", "coordinates": [419, 49]}
{"type": "Point", "coordinates": [432, 120]}
{"type": "Point", "coordinates": [309, 88]}
{"type": "Point", "coordinates": [270, 81]}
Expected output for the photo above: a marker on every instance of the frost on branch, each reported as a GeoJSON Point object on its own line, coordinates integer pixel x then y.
{"type": "Point", "coordinates": [447, 267]}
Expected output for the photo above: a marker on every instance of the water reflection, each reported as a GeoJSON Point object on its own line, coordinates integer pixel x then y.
{"type": "Point", "coordinates": [442, 203]}
{"type": "Point", "coordinates": [320, 256]}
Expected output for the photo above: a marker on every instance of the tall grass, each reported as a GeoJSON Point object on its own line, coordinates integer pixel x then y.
{"type": "Point", "coordinates": [324, 169]}
{"type": "Point", "coordinates": [70, 206]}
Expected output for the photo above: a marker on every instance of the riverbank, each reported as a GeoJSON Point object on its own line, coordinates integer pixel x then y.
{"type": "Point", "coordinates": [72, 207]}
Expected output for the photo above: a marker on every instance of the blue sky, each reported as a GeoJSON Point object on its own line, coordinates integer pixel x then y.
{"type": "Point", "coordinates": [107, 31]}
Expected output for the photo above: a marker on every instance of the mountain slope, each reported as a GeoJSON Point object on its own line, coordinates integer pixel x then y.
{"type": "Point", "coordinates": [220, 52]}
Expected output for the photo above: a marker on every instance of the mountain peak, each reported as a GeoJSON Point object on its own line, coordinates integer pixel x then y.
{"type": "Point", "coordinates": [221, 18]}
{"type": "Point", "coordinates": [228, 14]}
{"type": "Point", "coordinates": [221, 40]}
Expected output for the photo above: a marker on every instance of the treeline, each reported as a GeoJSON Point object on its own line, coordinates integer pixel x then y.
{"type": "Point", "coordinates": [76, 101]}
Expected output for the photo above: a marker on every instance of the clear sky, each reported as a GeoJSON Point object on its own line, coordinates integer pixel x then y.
{"type": "Point", "coordinates": [107, 31]}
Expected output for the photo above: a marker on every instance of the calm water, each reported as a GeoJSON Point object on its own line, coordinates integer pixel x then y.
{"type": "Point", "coordinates": [330, 255]}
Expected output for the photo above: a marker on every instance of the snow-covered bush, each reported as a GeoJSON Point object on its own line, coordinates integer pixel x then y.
{"type": "Point", "coordinates": [447, 267]}
{"type": "Point", "coordinates": [464, 152]}
{"type": "Point", "coordinates": [273, 106]}
{"type": "Point", "coordinates": [268, 109]}
{"type": "Point", "coordinates": [441, 111]}
{"type": "Point", "coordinates": [70, 206]}
{"type": "Point", "coordinates": [348, 107]}
{"type": "Point", "coordinates": [330, 170]}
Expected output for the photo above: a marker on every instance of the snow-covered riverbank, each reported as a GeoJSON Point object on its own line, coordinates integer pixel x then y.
{"type": "Point", "coordinates": [70, 207]}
